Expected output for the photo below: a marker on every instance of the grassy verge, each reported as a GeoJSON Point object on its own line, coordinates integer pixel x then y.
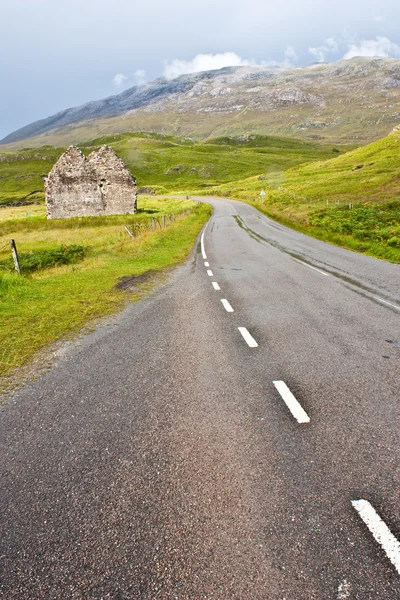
{"type": "Point", "coordinates": [39, 309]}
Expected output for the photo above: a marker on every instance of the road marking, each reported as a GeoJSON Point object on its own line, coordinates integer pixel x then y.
{"type": "Point", "coordinates": [379, 530]}
{"type": "Point", "coordinates": [344, 590]}
{"type": "Point", "coordinates": [206, 264]}
{"type": "Point", "coordinates": [386, 302]}
{"type": "Point", "coordinates": [248, 338]}
{"type": "Point", "coordinates": [215, 286]}
{"type": "Point", "coordinates": [209, 273]}
{"type": "Point", "coordinates": [293, 405]}
{"type": "Point", "coordinates": [310, 267]}
{"type": "Point", "coordinates": [203, 252]}
{"type": "Point", "coordinates": [226, 305]}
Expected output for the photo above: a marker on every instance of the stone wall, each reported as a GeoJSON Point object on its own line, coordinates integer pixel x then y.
{"type": "Point", "coordinates": [97, 185]}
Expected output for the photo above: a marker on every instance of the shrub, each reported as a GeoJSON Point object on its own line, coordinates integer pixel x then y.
{"type": "Point", "coordinates": [44, 259]}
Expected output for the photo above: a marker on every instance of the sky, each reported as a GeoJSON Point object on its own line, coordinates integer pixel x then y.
{"type": "Point", "coordinates": [61, 53]}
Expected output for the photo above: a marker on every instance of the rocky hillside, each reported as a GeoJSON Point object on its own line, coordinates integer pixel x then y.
{"type": "Point", "coordinates": [350, 101]}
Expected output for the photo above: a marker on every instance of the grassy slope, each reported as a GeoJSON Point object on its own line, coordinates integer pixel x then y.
{"type": "Point", "coordinates": [39, 309]}
{"type": "Point", "coordinates": [20, 173]}
{"type": "Point", "coordinates": [315, 198]}
{"type": "Point", "coordinates": [164, 163]}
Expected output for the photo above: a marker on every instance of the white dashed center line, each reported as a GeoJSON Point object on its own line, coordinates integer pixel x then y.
{"type": "Point", "coordinates": [248, 338]}
{"type": "Point", "coordinates": [206, 264]}
{"type": "Point", "coordinates": [203, 252]}
{"type": "Point", "coordinates": [293, 405]}
{"type": "Point", "coordinates": [209, 273]}
{"type": "Point", "coordinates": [379, 530]}
{"type": "Point", "coordinates": [226, 305]}
{"type": "Point", "coordinates": [215, 286]}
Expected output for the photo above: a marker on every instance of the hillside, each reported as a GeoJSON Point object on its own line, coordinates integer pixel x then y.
{"type": "Point", "coordinates": [166, 164]}
{"type": "Point", "coordinates": [350, 101]}
{"type": "Point", "coordinates": [352, 200]}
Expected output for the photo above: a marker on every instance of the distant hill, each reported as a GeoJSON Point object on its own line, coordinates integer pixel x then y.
{"type": "Point", "coordinates": [350, 101]}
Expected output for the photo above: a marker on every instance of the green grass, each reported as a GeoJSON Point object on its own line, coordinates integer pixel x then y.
{"type": "Point", "coordinates": [38, 309]}
{"type": "Point", "coordinates": [20, 173]}
{"type": "Point", "coordinates": [164, 163]}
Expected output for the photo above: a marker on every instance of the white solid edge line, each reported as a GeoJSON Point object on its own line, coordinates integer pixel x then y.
{"type": "Point", "coordinates": [379, 530]}
{"type": "Point", "coordinates": [209, 273]}
{"type": "Point", "coordinates": [311, 267]}
{"type": "Point", "coordinates": [386, 302]}
{"type": "Point", "coordinates": [206, 264]}
{"type": "Point", "coordinates": [203, 251]}
{"type": "Point", "coordinates": [248, 338]}
{"type": "Point", "coordinates": [226, 305]}
{"type": "Point", "coordinates": [293, 405]}
{"type": "Point", "coordinates": [215, 286]}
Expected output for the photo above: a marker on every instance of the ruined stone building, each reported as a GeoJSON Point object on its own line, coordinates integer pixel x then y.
{"type": "Point", "coordinates": [80, 186]}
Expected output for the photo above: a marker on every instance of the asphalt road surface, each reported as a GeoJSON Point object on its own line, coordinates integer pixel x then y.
{"type": "Point", "coordinates": [235, 435]}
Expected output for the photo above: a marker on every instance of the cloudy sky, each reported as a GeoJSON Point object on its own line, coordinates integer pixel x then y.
{"type": "Point", "coordinates": [61, 53]}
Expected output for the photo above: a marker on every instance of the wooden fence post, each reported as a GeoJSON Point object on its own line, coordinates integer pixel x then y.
{"type": "Point", "coordinates": [15, 256]}
{"type": "Point", "coordinates": [130, 232]}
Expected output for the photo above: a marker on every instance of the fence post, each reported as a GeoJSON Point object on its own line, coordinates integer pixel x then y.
{"type": "Point", "coordinates": [163, 221]}
{"type": "Point", "coordinates": [15, 256]}
{"type": "Point", "coordinates": [153, 223]}
{"type": "Point", "coordinates": [129, 230]}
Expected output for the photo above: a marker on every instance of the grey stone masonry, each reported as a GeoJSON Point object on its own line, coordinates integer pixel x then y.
{"type": "Point", "coordinates": [79, 186]}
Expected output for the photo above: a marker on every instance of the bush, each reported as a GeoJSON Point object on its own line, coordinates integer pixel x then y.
{"type": "Point", "coordinates": [44, 259]}
{"type": "Point", "coordinates": [378, 223]}
{"type": "Point", "coordinates": [394, 242]}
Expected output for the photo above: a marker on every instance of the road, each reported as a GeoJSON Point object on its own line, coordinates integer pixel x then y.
{"type": "Point", "coordinates": [159, 459]}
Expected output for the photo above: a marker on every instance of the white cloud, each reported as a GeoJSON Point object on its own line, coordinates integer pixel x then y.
{"type": "Point", "coordinates": [381, 46]}
{"type": "Point", "coordinates": [140, 77]}
{"type": "Point", "coordinates": [204, 62]}
{"type": "Point", "coordinates": [320, 52]}
{"type": "Point", "coordinates": [122, 80]}
{"type": "Point", "coordinates": [212, 62]}
{"type": "Point", "coordinates": [379, 19]}
{"type": "Point", "coordinates": [119, 79]}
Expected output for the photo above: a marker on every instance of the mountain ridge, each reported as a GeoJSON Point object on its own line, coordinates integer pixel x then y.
{"type": "Point", "coordinates": [356, 99]}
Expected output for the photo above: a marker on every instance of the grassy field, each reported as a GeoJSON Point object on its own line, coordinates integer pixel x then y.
{"type": "Point", "coordinates": [351, 200]}
{"type": "Point", "coordinates": [166, 164]}
{"type": "Point", "coordinates": [40, 307]}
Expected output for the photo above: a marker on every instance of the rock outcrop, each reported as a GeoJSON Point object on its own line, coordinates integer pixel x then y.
{"type": "Point", "coordinates": [79, 186]}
